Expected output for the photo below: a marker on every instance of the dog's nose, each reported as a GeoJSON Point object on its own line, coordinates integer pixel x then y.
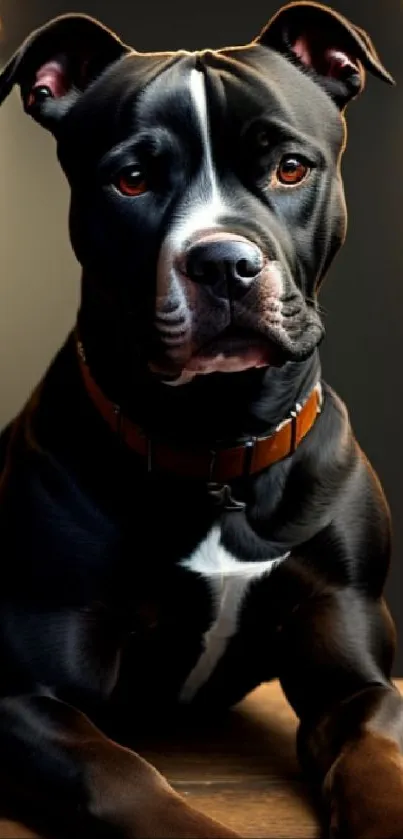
{"type": "Point", "coordinates": [231, 259]}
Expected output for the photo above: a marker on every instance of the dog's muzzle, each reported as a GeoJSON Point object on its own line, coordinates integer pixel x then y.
{"type": "Point", "coordinates": [225, 305]}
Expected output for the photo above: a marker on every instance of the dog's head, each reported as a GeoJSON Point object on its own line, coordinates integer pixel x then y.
{"type": "Point", "coordinates": [206, 195]}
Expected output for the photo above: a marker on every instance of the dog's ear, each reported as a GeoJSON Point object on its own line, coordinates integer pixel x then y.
{"type": "Point", "coordinates": [57, 63]}
{"type": "Point", "coordinates": [325, 44]}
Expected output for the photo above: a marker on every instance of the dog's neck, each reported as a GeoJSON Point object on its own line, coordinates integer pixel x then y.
{"type": "Point", "coordinates": [216, 407]}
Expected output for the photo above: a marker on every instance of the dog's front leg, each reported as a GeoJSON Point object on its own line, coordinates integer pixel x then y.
{"type": "Point", "coordinates": [63, 777]}
{"type": "Point", "coordinates": [336, 655]}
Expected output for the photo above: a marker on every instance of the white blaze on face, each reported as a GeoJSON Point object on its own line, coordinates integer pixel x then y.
{"type": "Point", "coordinates": [206, 204]}
{"type": "Point", "coordinates": [200, 211]}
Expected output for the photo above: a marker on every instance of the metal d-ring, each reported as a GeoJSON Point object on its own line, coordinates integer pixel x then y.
{"type": "Point", "coordinates": [221, 494]}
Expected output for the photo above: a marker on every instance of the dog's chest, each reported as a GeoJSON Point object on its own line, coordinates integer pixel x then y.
{"type": "Point", "coordinates": [229, 580]}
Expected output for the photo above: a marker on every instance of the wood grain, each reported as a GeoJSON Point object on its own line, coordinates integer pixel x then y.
{"type": "Point", "coordinates": [241, 769]}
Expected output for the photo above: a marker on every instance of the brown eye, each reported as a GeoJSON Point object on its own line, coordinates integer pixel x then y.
{"type": "Point", "coordinates": [130, 182]}
{"type": "Point", "coordinates": [291, 171]}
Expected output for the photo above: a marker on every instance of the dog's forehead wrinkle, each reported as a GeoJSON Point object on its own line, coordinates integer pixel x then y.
{"type": "Point", "coordinates": [260, 84]}
{"type": "Point", "coordinates": [297, 95]}
{"type": "Point", "coordinates": [182, 92]}
{"type": "Point", "coordinates": [166, 102]}
{"type": "Point", "coordinates": [250, 80]}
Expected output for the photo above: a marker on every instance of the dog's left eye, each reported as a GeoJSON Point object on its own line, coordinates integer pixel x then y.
{"type": "Point", "coordinates": [131, 182]}
{"type": "Point", "coordinates": [291, 171]}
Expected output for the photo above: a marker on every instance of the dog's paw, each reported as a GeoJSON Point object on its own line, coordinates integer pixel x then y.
{"type": "Point", "coordinates": [365, 791]}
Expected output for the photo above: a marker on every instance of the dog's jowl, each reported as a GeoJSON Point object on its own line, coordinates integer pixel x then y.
{"type": "Point", "coordinates": [184, 510]}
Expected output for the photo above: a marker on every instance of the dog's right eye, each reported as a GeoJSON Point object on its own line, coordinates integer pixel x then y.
{"type": "Point", "coordinates": [130, 182]}
{"type": "Point", "coordinates": [291, 171]}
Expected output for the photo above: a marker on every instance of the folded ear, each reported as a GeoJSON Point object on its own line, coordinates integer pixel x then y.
{"type": "Point", "coordinates": [56, 64]}
{"type": "Point", "coordinates": [325, 44]}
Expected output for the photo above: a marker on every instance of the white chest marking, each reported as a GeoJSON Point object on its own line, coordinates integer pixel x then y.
{"type": "Point", "coordinates": [229, 580]}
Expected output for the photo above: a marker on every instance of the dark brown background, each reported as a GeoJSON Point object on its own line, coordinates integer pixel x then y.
{"type": "Point", "coordinates": [363, 296]}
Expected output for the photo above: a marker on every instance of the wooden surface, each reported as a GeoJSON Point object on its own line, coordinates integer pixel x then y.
{"type": "Point", "coordinates": [242, 770]}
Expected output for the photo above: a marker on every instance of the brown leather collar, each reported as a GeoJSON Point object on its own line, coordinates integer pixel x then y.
{"type": "Point", "coordinates": [218, 466]}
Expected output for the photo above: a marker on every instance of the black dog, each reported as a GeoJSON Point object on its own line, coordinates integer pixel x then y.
{"type": "Point", "coordinates": [185, 512]}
